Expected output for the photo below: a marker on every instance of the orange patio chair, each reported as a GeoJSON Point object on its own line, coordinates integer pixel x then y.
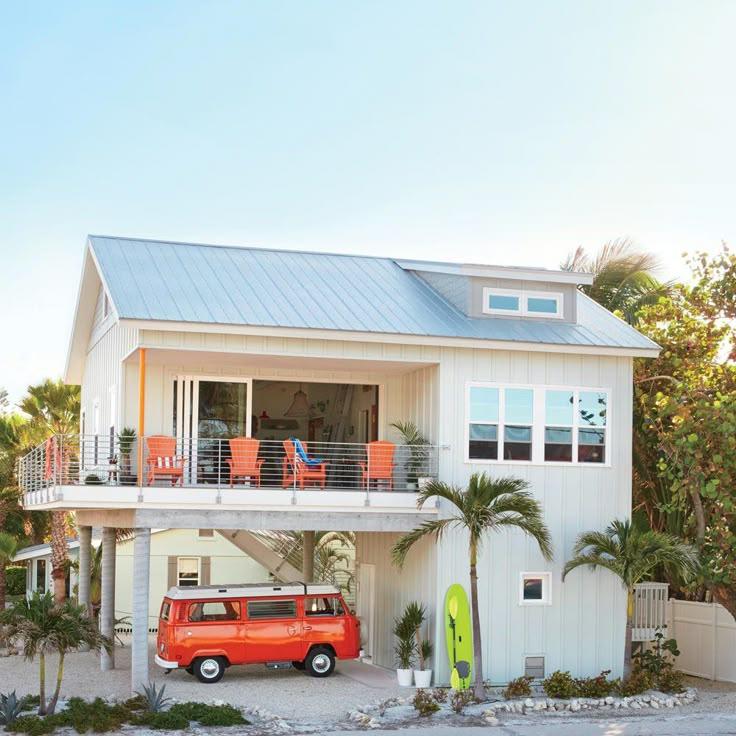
{"type": "Point", "coordinates": [244, 462]}
{"type": "Point", "coordinates": [297, 471]}
{"type": "Point", "coordinates": [380, 465]}
{"type": "Point", "coordinates": [162, 460]}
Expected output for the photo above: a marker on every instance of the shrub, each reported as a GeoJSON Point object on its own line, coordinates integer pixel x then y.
{"type": "Point", "coordinates": [32, 725]}
{"type": "Point", "coordinates": [440, 694]}
{"type": "Point", "coordinates": [95, 716]}
{"type": "Point", "coordinates": [594, 687]}
{"type": "Point", "coordinates": [424, 703]}
{"type": "Point", "coordinates": [154, 700]}
{"type": "Point", "coordinates": [163, 720]}
{"type": "Point", "coordinates": [639, 682]}
{"type": "Point", "coordinates": [10, 707]}
{"type": "Point", "coordinates": [519, 688]}
{"type": "Point", "coordinates": [15, 583]}
{"type": "Point", "coordinates": [671, 681]}
{"type": "Point", "coordinates": [459, 699]}
{"type": "Point", "coordinates": [659, 663]}
{"type": "Point", "coordinates": [561, 685]}
{"type": "Point", "coordinates": [217, 715]}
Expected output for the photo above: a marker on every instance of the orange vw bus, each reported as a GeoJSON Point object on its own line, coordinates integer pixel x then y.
{"type": "Point", "coordinates": [205, 629]}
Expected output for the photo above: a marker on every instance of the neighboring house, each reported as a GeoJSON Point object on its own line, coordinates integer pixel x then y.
{"type": "Point", "coordinates": [505, 370]}
{"type": "Point", "coordinates": [178, 557]}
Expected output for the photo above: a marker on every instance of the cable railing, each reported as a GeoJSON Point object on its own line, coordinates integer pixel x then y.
{"type": "Point", "coordinates": [237, 463]}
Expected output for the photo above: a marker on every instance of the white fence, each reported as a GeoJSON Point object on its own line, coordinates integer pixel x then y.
{"type": "Point", "coordinates": [706, 638]}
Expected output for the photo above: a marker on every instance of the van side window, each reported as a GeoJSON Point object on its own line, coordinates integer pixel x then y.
{"type": "Point", "coordinates": [285, 608]}
{"type": "Point", "coordinates": [165, 609]}
{"type": "Point", "coordinates": [323, 607]}
{"type": "Point", "coordinates": [215, 611]}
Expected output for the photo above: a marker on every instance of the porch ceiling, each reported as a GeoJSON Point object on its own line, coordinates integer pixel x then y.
{"type": "Point", "coordinates": [164, 356]}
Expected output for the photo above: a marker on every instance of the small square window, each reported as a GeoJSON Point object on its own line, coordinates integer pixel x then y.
{"type": "Point", "coordinates": [534, 667]}
{"type": "Point", "coordinates": [188, 571]}
{"type": "Point", "coordinates": [504, 303]}
{"type": "Point", "coordinates": [535, 588]}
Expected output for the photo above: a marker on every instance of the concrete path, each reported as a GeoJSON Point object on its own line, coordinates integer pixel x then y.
{"type": "Point", "coordinates": [692, 725]}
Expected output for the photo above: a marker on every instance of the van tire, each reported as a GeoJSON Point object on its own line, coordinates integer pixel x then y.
{"type": "Point", "coordinates": [297, 665]}
{"type": "Point", "coordinates": [209, 669]}
{"type": "Point", "coordinates": [189, 670]}
{"type": "Point", "coordinates": [320, 662]}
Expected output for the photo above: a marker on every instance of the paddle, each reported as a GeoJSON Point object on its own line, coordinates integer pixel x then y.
{"type": "Point", "coordinates": [452, 610]}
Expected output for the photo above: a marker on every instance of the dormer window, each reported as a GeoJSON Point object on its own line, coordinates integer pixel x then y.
{"type": "Point", "coordinates": [522, 303]}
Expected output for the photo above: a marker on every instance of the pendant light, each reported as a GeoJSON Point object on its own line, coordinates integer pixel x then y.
{"type": "Point", "coordinates": [299, 406]}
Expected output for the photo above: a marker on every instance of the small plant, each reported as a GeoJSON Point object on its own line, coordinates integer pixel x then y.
{"type": "Point", "coordinates": [98, 716]}
{"type": "Point", "coordinates": [165, 720]}
{"type": "Point", "coordinates": [594, 687]}
{"type": "Point", "coordinates": [210, 715]}
{"type": "Point", "coordinates": [659, 662]}
{"type": "Point", "coordinates": [440, 694]}
{"type": "Point", "coordinates": [417, 444]}
{"type": "Point", "coordinates": [424, 703]}
{"type": "Point", "coordinates": [639, 682]}
{"type": "Point", "coordinates": [460, 699]}
{"type": "Point", "coordinates": [93, 480]}
{"type": "Point", "coordinates": [672, 681]}
{"type": "Point", "coordinates": [561, 685]}
{"type": "Point", "coordinates": [519, 688]}
{"type": "Point", "coordinates": [10, 707]}
{"type": "Point", "coordinates": [154, 699]}
{"type": "Point", "coordinates": [32, 725]}
{"type": "Point", "coordinates": [405, 648]}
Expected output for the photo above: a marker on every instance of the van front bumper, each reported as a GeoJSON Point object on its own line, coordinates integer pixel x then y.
{"type": "Point", "coordinates": [166, 665]}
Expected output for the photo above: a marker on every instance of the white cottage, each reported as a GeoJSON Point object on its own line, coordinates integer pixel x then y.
{"type": "Point", "coordinates": [507, 370]}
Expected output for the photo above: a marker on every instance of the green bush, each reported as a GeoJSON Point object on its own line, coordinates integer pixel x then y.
{"type": "Point", "coordinates": [424, 703]}
{"type": "Point", "coordinates": [659, 662]}
{"type": "Point", "coordinates": [460, 698]}
{"type": "Point", "coordinates": [440, 694]}
{"type": "Point", "coordinates": [671, 681]}
{"type": "Point", "coordinates": [519, 688]}
{"type": "Point", "coordinates": [639, 682]}
{"type": "Point", "coordinates": [96, 716]}
{"type": "Point", "coordinates": [15, 581]}
{"type": "Point", "coordinates": [595, 687]}
{"type": "Point", "coordinates": [32, 725]}
{"type": "Point", "coordinates": [164, 720]}
{"type": "Point", "coordinates": [561, 685]}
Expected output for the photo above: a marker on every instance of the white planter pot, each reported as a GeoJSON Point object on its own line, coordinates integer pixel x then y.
{"type": "Point", "coordinates": [406, 677]}
{"type": "Point", "coordinates": [422, 678]}
{"type": "Point", "coordinates": [423, 482]}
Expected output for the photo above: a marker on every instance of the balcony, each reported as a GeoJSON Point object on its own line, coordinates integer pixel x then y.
{"type": "Point", "coordinates": [97, 472]}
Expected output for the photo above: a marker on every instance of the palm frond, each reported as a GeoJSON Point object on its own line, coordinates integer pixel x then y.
{"type": "Point", "coordinates": [435, 528]}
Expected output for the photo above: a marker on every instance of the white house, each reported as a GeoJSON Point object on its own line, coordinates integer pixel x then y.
{"type": "Point", "coordinates": [178, 557]}
{"type": "Point", "coordinates": [505, 370]}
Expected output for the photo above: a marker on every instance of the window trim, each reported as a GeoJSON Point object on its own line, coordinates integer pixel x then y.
{"type": "Point", "coordinates": [538, 425]}
{"type": "Point", "coordinates": [546, 578]}
{"type": "Point", "coordinates": [199, 570]}
{"type": "Point", "coordinates": [524, 297]}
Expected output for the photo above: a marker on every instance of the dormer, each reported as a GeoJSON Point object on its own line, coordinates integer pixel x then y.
{"type": "Point", "coordinates": [504, 292]}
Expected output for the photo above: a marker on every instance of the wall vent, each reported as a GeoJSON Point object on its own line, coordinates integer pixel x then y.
{"type": "Point", "coordinates": [534, 667]}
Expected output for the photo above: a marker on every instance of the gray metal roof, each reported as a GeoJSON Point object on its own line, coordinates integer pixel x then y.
{"type": "Point", "coordinates": [180, 282]}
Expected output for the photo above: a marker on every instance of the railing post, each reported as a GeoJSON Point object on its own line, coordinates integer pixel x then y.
{"type": "Point", "coordinates": [219, 470]}
{"type": "Point", "coordinates": [294, 473]}
{"type": "Point", "coordinates": [367, 501]}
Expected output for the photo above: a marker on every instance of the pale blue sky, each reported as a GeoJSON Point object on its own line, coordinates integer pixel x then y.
{"type": "Point", "coordinates": [500, 132]}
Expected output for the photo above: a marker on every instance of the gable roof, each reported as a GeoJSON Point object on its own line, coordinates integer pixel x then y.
{"type": "Point", "coordinates": [161, 281]}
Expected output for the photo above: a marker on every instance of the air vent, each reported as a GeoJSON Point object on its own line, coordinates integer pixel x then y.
{"type": "Point", "coordinates": [534, 667]}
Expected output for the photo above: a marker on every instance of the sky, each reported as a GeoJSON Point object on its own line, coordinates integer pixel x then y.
{"type": "Point", "coordinates": [486, 132]}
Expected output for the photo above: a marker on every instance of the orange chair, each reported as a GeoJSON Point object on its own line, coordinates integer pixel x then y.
{"type": "Point", "coordinates": [297, 471]}
{"type": "Point", "coordinates": [162, 460]}
{"type": "Point", "coordinates": [244, 462]}
{"type": "Point", "coordinates": [380, 465]}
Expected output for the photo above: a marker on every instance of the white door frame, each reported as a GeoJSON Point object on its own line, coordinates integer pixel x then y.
{"type": "Point", "coordinates": [367, 608]}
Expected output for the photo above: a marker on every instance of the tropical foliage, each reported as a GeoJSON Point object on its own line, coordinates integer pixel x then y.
{"type": "Point", "coordinates": [633, 556]}
{"type": "Point", "coordinates": [486, 506]}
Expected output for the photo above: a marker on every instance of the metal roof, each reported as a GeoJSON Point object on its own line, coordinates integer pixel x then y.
{"type": "Point", "coordinates": [248, 590]}
{"type": "Point", "coordinates": [181, 282]}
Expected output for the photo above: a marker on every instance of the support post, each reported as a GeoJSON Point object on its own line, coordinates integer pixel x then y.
{"type": "Point", "coordinates": [141, 573]}
{"type": "Point", "coordinates": [85, 566]}
{"type": "Point", "coordinates": [308, 556]}
{"type": "Point", "coordinates": [107, 597]}
{"type": "Point", "coordinates": [141, 410]}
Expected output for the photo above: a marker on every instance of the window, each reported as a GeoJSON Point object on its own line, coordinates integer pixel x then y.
{"type": "Point", "coordinates": [537, 424]}
{"type": "Point", "coordinates": [215, 611]}
{"type": "Point", "coordinates": [535, 589]}
{"type": "Point", "coordinates": [522, 303]}
{"type": "Point", "coordinates": [105, 305]}
{"type": "Point", "coordinates": [534, 667]}
{"type": "Point", "coordinates": [188, 571]}
{"type": "Point", "coordinates": [284, 608]}
{"type": "Point", "coordinates": [206, 533]}
{"type": "Point", "coordinates": [323, 607]}
{"type": "Point", "coordinates": [41, 576]}
{"type": "Point", "coordinates": [165, 610]}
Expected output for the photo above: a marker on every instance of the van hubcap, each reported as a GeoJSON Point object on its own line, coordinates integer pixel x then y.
{"type": "Point", "coordinates": [210, 668]}
{"type": "Point", "coordinates": [321, 663]}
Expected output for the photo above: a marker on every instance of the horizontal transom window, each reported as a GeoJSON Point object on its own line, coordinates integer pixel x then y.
{"type": "Point", "coordinates": [522, 303]}
{"type": "Point", "coordinates": [537, 424]}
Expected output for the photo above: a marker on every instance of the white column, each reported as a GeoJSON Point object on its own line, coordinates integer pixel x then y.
{"type": "Point", "coordinates": [85, 564]}
{"type": "Point", "coordinates": [107, 597]}
{"type": "Point", "coordinates": [141, 568]}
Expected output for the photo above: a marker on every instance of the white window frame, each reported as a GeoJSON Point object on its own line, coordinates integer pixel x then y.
{"type": "Point", "coordinates": [523, 296]}
{"type": "Point", "coordinates": [105, 305]}
{"type": "Point", "coordinates": [546, 578]}
{"type": "Point", "coordinates": [199, 568]}
{"type": "Point", "coordinates": [538, 425]}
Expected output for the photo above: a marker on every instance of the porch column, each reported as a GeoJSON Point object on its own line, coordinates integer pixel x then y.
{"type": "Point", "coordinates": [141, 411]}
{"type": "Point", "coordinates": [308, 554]}
{"type": "Point", "coordinates": [107, 597]}
{"type": "Point", "coordinates": [85, 566]}
{"type": "Point", "coordinates": [141, 573]}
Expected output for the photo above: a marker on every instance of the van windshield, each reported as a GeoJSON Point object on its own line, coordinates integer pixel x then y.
{"type": "Point", "coordinates": [323, 607]}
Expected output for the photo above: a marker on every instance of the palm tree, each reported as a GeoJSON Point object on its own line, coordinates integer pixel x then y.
{"type": "Point", "coordinates": [8, 549]}
{"type": "Point", "coordinates": [53, 408]}
{"type": "Point", "coordinates": [45, 627]}
{"type": "Point", "coordinates": [632, 555]}
{"type": "Point", "coordinates": [624, 278]}
{"type": "Point", "coordinates": [487, 505]}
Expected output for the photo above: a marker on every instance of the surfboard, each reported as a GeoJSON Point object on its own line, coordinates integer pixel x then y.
{"type": "Point", "coordinates": [459, 637]}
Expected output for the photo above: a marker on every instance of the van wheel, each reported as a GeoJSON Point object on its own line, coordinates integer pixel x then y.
{"type": "Point", "coordinates": [189, 670]}
{"type": "Point", "coordinates": [320, 662]}
{"type": "Point", "coordinates": [297, 665]}
{"type": "Point", "coordinates": [209, 669]}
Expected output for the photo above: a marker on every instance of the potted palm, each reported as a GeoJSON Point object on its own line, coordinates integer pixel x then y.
{"type": "Point", "coordinates": [417, 463]}
{"type": "Point", "coordinates": [416, 615]}
{"type": "Point", "coordinates": [126, 440]}
{"type": "Point", "coordinates": [404, 649]}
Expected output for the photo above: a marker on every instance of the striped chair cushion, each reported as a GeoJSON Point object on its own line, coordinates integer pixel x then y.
{"type": "Point", "coordinates": [166, 462]}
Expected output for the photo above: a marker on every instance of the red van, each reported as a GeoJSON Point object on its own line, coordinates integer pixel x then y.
{"type": "Point", "coordinates": [205, 629]}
